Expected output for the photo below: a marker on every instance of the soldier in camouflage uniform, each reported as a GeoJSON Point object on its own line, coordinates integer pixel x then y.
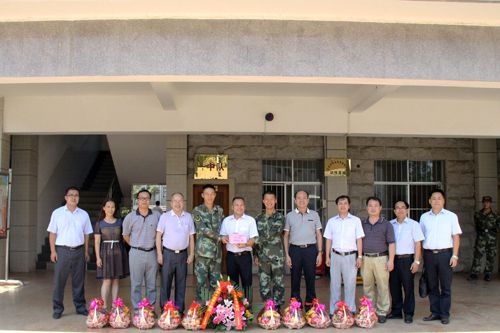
{"type": "Point", "coordinates": [487, 224]}
{"type": "Point", "coordinates": [208, 219]}
{"type": "Point", "coordinates": [269, 253]}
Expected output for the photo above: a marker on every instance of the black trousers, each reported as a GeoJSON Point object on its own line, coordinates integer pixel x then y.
{"type": "Point", "coordinates": [303, 260]}
{"type": "Point", "coordinates": [69, 261]}
{"type": "Point", "coordinates": [401, 280]}
{"type": "Point", "coordinates": [439, 278]}
{"type": "Point", "coordinates": [240, 266]}
{"type": "Point", "coordinates": [174, 267]}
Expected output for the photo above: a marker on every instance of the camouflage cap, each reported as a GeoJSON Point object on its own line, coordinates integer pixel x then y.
{"type": "Point", "coordinates": [487, 198]}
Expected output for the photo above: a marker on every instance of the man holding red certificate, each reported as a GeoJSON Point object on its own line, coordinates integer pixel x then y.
{"type": "Point", "coordinates": [239, 232]}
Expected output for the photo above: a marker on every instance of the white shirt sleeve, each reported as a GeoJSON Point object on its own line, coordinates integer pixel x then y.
{"type": "Point", "coordinates": [53, 224]}
{"type": "Point", "coordinates": [417, 233]}
{"type": "Point", "coordinates": [126, 226]}
{"type": "Point", "coordinates": [161, 223]}
{"type": "Point", "coordinates": [252, 230]}
{"type": "Point", "coordinates": [223, 228]}
{"type": "Point", "coordinates": [88, 226]}
{"type": "Point", "coordinates": [328, 232]}
{"type": "Point", "coordinates": [360, 233]}
{"type": "Point", "coordinates": [455, 226]}
{"type": "Point", "coordinates": [192, 229]}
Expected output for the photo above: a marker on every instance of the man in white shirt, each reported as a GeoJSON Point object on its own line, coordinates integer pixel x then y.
{"type": "Point", "coordinates": [442, 241]}
{"type": "Point", "coordinates": [239, 233]}
{"type": "Point", "coordinates": [344, 253]}
{"type": "Point", "coordinates": [409, 238]}
{"type": "Point", "coordinates": [175, 250]}
{"type": "Point", "coordinates": [69, 231]}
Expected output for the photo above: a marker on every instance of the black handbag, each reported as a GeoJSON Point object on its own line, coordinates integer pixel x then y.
{"type": "Point", "coordinates": [423, 288]}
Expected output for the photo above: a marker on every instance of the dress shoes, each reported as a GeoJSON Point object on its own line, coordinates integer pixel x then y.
{"type": "Point", "coordinates": [445, 321]}
{"type": "Point", "coordinates": [408, 319]}
{"type": "Point", "coordinates": [432, 317]}
{"type": "Point", "coordinates": [472, 277]}
{"type": "Point", "coordinates": [382, 319]}
{"type": "Point", "coordinates": [56, 315]}
{"type": "Point", "coordinates": [487, 277]}
{"type": "Point", "coordinates": [83, 312]}
{"type": "Point", "coordinates": [394, 316]}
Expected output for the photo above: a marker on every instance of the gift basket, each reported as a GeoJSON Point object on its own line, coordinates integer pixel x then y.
{"type": "Point", "coordinates": [317, 316]}
{"type": "Point", "coordinates": [192, 319]}
{"type": "Point", "coordinates": [144, 317]}
{"type": "Point", "coordinates": [366, 317]}
{"type": "Point", "coordinates": [119, 316]}
{"type": "Point", "coordinates": [97, 317]}
{"type": "Point", "coordinates": [342, 316]}
{"type": "Point", "coordinates": [170, 318]}
{"type": "Point", "coordinates": [227, 309]}
{"type": "Point", "coordinates": [269, 317]}
{"type": "Point", "coordinates": [292, 315]}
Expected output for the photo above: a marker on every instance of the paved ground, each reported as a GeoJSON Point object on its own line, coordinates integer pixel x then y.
{"type": "Point", "coordinates": [476, 307]}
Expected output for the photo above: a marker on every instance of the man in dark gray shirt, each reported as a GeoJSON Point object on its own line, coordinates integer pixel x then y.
{"type": "Point", "coordinates": [378, 257]}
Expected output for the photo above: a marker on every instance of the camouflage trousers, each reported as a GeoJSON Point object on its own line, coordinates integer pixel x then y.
{"type": "Point", "coordinates": [206, 269]}
{"type": "Point", "coordinates": [485, 246]}
{"type": "Point", "coordinates": [271, 272]}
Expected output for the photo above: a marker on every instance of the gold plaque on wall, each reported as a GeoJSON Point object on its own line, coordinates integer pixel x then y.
{"type": "Point", "coordinates": [210, 167]}
{"type": "Point", "coordinates": [337, 167]}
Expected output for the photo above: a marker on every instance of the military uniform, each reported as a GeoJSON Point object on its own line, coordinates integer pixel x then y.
{"type": "Point", "coordinates": [269, 250]}
{"type": "Point", "coordinates": [487, 226]}
{"type": "Point", "coordinates": [208, 249]}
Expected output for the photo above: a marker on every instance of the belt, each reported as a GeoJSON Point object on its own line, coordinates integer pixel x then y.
{"type": "Point", "coordinates": [175, 251]}
{"type": "Point", "coordinates": [244, 253]}
{"type": "Point", "coordinates": [344, 253]}
{"type": "Point", "coordinates": [379, 254]}
{"type": "Point", "coordinates": [438, 250]}
{"type": "Point", "coordinates": [71, 248]}
{"type": "Point", "coordinates": [112, 242]}
{"type": "Point", "coordinates": [304, 246]}
{"type": "Point", "coordinates": [402, 256]}
{"type": "Point", "coordinates": [143, 249]}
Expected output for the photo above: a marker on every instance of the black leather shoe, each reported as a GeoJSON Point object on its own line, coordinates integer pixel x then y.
{"type": "Point", "coordinates": [432, 317]}
{"type": "Point", "coordinates": [445, 321]}
{"type": "Point", "coordinates": [408, 319]}
{"type": "Point", "coordinates": [83, 312]}
{"type": "Point", "coordinates": [472, 277]}
{"type": "Point", "coordinates": [487, 277]}
{"type": "Point", "coordinates": [382, 319]}
{"type": "Point", "coordinates": [56, 315]}
{"type": "Point", "coordinates": [394, 316]}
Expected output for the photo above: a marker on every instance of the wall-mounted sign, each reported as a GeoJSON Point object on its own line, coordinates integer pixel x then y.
{"type": "Point", "coordinates": [210, 167]}
{"type": "Point", "coordinates": [337, 167]}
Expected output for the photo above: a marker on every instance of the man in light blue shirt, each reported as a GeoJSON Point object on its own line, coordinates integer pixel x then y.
{"type": "Point", "coordinates": [442, 241]}
{"type": "Point", "coordinates": [409, 238]}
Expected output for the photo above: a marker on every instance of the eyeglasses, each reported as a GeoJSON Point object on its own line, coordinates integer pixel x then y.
{"type": "Point", "coordinates": [73, 195]}
{"type": "Point", "coordinates": [143, 198]}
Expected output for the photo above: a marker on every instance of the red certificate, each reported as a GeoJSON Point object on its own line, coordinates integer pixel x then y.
{"type": "Point", "coordinates": [237, 239]}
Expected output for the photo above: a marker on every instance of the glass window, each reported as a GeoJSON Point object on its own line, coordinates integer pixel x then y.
{"type": "Point", "coordinates": [407, 180]}
{"type": "Point", "coordinates": [285, 177]}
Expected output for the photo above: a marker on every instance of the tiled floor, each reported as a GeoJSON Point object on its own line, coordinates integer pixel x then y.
{"type": "Point", "coordinates": [476, 306]}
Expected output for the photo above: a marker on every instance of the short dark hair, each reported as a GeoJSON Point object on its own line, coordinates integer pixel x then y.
{"type": "Point", "coordinates": [374, 198]}
{"type": "Point", "coordinates": [71, 188]}
{"type": "Point", "coordinates": [208, 186]}
{"type": "Point", "coordinates": [268, 192]}
{"type": "Point", "coordinates": [157, 203]}
{"type": "Point", "coordinates": [343, 196]}
{"type": "Point", "coordinates": [102, 215]}
{"type": "Point", "coordinates": [407, 205]}
{"type": "Point", "coordinates": [238, 198]}
{"type": "Point", "coordinates": [143, 190]}
{"type": "Point", "coordinates": [297, 192]}
{"type": "Point", "coordinates": [437, 190]}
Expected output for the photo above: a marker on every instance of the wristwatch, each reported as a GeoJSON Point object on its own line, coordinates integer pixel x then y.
{"type": "Point", "coordinates": [417, 262]}
{"type": "Point", "coordinates": [360, 257]}
{"type": "Point", "coordinates": [454, 257]}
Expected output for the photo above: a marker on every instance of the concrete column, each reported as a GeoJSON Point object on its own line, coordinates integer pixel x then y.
{"type": "Point", "coordinates": [486, 175]}
{"type": "Point", "coordinates": [336, 146]}
{"type": "Point", "coordinates": [24, 203]}
{"type": "Point", "coordinates": [176, 165]}
{"type": "Point", "coordinates": [4, 168]}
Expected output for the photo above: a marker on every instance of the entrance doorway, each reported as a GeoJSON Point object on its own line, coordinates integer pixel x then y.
{"type": "Point", "coordinates": [222, 199]}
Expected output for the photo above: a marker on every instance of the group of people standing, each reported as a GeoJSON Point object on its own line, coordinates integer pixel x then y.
{"type": "Point", "coordinates": [389, 253]}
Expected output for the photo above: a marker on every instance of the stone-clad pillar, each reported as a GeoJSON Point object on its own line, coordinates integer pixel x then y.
{"type": "Point", "coordinates": [176, 166]}
{"type": "Point", "coordinates": [485, 175]}
{"type": "Point", "coordinates": [23, 221]}
{"type": "Point", "coordinates": [336, 146]}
